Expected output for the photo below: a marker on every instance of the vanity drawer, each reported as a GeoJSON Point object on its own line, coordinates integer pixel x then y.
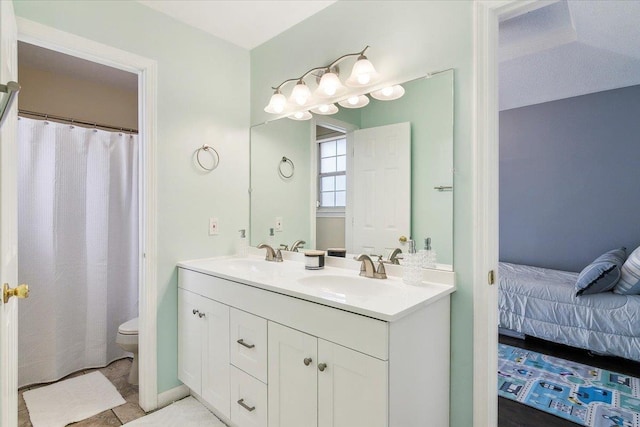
{"type": "Point", "coordinates": [248, 400]}
{"type": "Point", "coordinates": [248, 343]}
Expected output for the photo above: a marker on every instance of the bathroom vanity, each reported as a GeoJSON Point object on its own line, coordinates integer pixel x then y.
{"type": "Point", "coordinates": [272, 344]}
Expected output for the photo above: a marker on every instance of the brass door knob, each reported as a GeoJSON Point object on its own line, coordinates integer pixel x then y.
{"type": "Point", "coordinates": [402, 239]}
{"type": "Point", "coordinates": [21, 291]}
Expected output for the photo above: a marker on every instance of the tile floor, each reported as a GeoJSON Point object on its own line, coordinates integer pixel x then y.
{"type": "Point", "coordinates": [117, 372]}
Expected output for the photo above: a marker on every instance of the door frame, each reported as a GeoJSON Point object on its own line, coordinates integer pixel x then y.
{"type": "Point", "coordinates": [146, 70]}
{"type": "Point", "coordinates": [485, 162]}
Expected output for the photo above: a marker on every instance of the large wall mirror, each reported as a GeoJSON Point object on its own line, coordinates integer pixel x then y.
{"type": "Point", "coordinates": [360, 179]}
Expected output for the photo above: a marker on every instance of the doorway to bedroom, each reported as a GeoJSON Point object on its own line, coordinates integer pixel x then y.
{"type": "Point", "coordinates": [569, 156]}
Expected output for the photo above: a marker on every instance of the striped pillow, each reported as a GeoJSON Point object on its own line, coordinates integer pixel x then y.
{"type": "Point", "coordinates": [602, 274]}
{"type": "Point", "coordinates": [629, 283]}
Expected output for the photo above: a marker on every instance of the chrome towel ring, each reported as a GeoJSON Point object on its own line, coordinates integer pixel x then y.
{"type": "Point", "coordinates": [214, 155]}
{"type": "Point", "coordinates": [283, 162]}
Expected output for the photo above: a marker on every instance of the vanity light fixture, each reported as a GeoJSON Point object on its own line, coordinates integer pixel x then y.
{"type": "Point", "coordinates": [330, 89]}
{"type": "Point", "coordinates": [388, 93]}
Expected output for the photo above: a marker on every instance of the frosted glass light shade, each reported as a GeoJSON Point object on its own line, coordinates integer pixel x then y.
{"type": "Point", "coordinates": [325, 109]}
{"type": "Point", "coordinates": [330, 85]}
{"type": "Point", "coordinates": [388, 93]}
{"type": "Point", "coordinates": [300, 115]}
{"type": "Point", "coordinates": [354, 101]}
{"type": "Point", "coordinates": [277, 103]}
{"type": "Point", "coordinates": [363, 73]}
{"type": "Point", "coordinates": [300, 94]}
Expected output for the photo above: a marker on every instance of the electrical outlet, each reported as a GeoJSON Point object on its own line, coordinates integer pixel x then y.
{"type": "Point", "coordinates": [278, 223]}
{"type": "Point", "coordinates": [213, 227]}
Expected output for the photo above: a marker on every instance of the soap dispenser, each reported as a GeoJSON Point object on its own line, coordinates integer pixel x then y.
{"type": "Point", "coordinates": [242, 246]}
{"type": "Point", "coordinates": [428, 255]}
{"type": "Point", "coordinates": [271, 238]}
{"type": "Point", "coordinates": [411, 266]}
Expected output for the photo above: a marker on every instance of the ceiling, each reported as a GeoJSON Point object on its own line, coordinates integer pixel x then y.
{"type": "Point", "coordinates": [568, 48]}
{"type": "Point", "coordinates": [242, 22]}
{"type": "Point", "coordinates": [565, 48]}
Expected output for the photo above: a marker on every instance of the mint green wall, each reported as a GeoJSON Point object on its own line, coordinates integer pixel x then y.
{"type": "Point", "coordinates": [407, 39]}
{"type": "Point", "coordinates": [428, 106]}
{"type": "Point", "coordinates": [273, 196]}
{"type": "Point", "coordinates": [203, 97]}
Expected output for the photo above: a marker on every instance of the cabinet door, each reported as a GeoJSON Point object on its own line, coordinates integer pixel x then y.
{"type": "Point", "coordinates": [293, 378]}
{"type": "Point", "coordinates": [189, 340]}
{"type": "Point", "coordinates": [215, 355]}
{"type": "Point", "coordinates": [352, 388]}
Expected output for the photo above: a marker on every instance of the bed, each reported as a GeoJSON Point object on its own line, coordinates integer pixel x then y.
{"type": "Point", "coordinates": [541, 302]}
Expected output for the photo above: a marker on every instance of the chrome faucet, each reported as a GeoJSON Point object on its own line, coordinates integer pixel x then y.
{"type": "Point", "coordinates": [367, 269]}
{"type": "Point", "coordinates": [395, 256]}
{"type": "Point", "coordinates": [297, 244]}
{"type": "Point", "coordinates": [272, 255]}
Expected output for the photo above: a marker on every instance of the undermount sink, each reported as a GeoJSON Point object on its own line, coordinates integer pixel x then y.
{"type": "Point", "coordinates": [348, 285]}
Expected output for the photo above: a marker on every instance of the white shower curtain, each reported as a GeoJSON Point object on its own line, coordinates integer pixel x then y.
{"type": "Point", "coordinates": [78, 246]}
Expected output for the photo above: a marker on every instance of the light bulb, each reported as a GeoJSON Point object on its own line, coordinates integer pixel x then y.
{"type": "Point", "coordinates": [325, 109]}
{"type": "Point", "coordinates": [330, 85]}
{"type": "Point", "coordinates": [277, 103]}
{"type": "Point", "coordinates": [363, 73]}
{"type": "Point", "coordinates": [301, 93]}
{"type": "Point", "coordinates": [388, 93]}
{"type": "Point", "coordinates": [353, 100]}
{"type": "Point", "coordinates": [364, 79]}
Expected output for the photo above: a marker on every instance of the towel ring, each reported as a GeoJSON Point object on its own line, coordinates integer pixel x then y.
{"type": "Point", "coordinates": [285, 161]}
{"type": "Point", "coordinates": [215, 155]}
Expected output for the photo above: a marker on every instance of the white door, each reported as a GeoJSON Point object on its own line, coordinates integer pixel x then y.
{"type": "Point", "coordinates": [381, 183]}
{"type": "Point", "coordinates": [190, 340]}
{"type": "Point", "coordinates": [293, 378]}
{"type": "Point", "coordinates": [8, 225]}
{"type": "Point", "coordinates": [352, 388]}
{"type": "Point", "coordinates": [215, 358]}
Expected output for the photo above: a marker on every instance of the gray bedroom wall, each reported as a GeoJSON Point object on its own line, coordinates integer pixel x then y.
{"type": "Point", "coordinates": [570, 179]}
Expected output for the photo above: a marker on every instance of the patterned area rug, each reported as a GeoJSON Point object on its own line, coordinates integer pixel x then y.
{"type": "Point", "coordinates": [583, 394]}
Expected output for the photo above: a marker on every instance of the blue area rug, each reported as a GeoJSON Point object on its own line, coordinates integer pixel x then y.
{"type": "Point", "coordinates": [579, 393]}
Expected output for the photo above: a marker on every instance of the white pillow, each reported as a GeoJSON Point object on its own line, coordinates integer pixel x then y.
{"type": "Point", "coordinates": [629, 283]}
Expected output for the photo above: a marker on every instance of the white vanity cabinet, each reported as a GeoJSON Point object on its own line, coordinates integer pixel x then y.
{"type": "Point", "coordinates": [293, 362]}
{"type": "Point", "coordinates": [313, 382]}
{"type": "Point", "coordinates": [203, 348]}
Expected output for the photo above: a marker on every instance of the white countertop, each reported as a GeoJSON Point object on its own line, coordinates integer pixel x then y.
{"type": "Point", "coordinates": [385, 299]}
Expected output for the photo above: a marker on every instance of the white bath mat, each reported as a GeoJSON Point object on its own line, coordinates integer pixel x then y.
{"type": "Point", "coordinates": [71, 400]}
{"type": "Point", "coordinates": [187, 412]}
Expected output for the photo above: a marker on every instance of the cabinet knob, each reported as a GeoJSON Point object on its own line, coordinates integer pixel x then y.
{"type": "Point", "coordinates": [322, 367]}
{"type": "Point", "coordinates": [245, 406]}
{"type": "Point", "coordinates": [194, 311]}
{"type": "Point", "coordinates": [201, 315]}
{"type": "Point", "coordinates": [307, 361]}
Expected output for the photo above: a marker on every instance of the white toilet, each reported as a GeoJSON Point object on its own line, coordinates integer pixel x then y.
{"type": "Point", "coordinates": [127, 339]}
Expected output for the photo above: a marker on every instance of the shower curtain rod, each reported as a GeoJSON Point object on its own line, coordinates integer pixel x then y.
{"type": "Point", "coordinates": [74, 121]}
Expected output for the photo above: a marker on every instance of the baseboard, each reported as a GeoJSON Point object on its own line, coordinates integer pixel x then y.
{"type": "Point", "coordinates": [168, 397]}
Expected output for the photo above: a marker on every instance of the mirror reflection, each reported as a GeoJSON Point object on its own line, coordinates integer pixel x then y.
{"type": "Point", "coordinates": [361, 180]}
